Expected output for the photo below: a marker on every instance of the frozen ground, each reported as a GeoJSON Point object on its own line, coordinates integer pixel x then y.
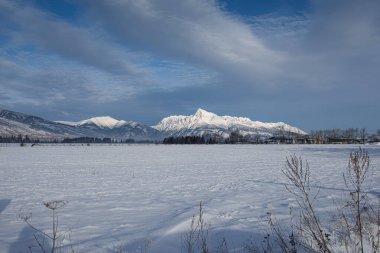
{"type": "Point", "coordinates": [124, 196]}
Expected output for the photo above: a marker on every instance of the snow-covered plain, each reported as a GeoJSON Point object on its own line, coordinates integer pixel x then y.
{"type": "Point", "coordinates": [120, 197]}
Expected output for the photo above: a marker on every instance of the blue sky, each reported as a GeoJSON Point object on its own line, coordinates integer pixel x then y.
{"type": "Point", "coordinates": [312, 64]}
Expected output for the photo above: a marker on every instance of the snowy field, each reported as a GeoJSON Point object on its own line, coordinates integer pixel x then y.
{"type": "Point", "coordinates": [121, 197]}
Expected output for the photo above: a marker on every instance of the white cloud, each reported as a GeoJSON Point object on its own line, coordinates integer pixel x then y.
{"type": "Point", "coordinates": [28, 26]}
{"type": "Point", "coordinates": [196, 32]}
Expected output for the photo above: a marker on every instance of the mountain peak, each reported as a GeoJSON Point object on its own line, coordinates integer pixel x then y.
{"type": "Point", "coordinates": [203, 113]}
{"type": "Point", "coordinates": [102, 122]}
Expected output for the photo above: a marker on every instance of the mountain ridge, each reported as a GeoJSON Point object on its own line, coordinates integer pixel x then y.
{"type": "Point", "coordinates": [16, 123]}
{"type": "Point", "coordinates": [200, 123]}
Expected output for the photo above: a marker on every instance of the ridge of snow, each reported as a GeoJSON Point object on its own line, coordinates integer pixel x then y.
{"type": "Point", "coordinates": [102, 122]}
{"type": "Point", "coordinates": [203, 118]}
{"type": "Point", "coordinates": [69, 123]}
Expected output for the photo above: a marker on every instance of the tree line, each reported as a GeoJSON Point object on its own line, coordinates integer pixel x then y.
{"type": "Point", "coordinates": [189, 140]}
{"type": "Point", "coordinates": [18, 139]}
{"type": "Point", "coordinates": [352, 135]}
{"type": "Point", "coordinates": [326, 136]}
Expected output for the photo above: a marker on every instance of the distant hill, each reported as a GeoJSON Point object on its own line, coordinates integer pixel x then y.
{"type": "Point", "coordinates": [15, 123]}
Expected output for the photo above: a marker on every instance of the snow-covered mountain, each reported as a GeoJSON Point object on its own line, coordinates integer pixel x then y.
{"type": "Point", "coordinates": [15, 123]}
{"type": "Point", "coordinates": [117, 129]}
{"type": "Point", "coordinates": [204, 122]}
{"type": "Point", "coordinates": [199, 124]}
{"type": "Point", "coordinates": [97, 122]}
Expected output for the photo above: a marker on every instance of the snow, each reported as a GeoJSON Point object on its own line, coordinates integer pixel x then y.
{"type": "Point", "coordinates": [69, 123]}
{"type": "Point", "coordinates": [125, 195]}
{"type": "Point", "coordinates": [203, 118]}
{"type": "Point", "coordinates": [14, 128]}
{"type": "Point", "coordinates": [102, 122]}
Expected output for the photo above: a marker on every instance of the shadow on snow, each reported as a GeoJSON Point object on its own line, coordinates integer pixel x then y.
{"type": "Point", "coordinates": [3, 204]}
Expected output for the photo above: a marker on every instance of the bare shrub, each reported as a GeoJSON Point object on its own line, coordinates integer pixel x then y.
{"type": "Point", "coordinates": [359, 215]}
{"type": "Point", "coordinates": [277, 239]}
{"type": "Point", "coordinates": [223, 247]}
{"type": "Point", "coordinates": [313, 236]}
{"type": "Point", "coordinates": [358, 218]}
{"type": "Point", "coordinates": [48, 242]}
{"type": "Point", "coordinates": [196, 238]}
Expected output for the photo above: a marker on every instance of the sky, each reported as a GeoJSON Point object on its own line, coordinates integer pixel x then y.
{"type": "Point", "coordinates": [313, 64]}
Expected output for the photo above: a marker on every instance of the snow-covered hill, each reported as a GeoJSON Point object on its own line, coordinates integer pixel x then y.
{"type": "Point", "coordinates": [15, 123]}
{"type": "Point", "coordinates": [99, 122]}
{"type": "Point", "coordinates": [117, 129]}
{"type": "Point", "coordinates": [204, 122]}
